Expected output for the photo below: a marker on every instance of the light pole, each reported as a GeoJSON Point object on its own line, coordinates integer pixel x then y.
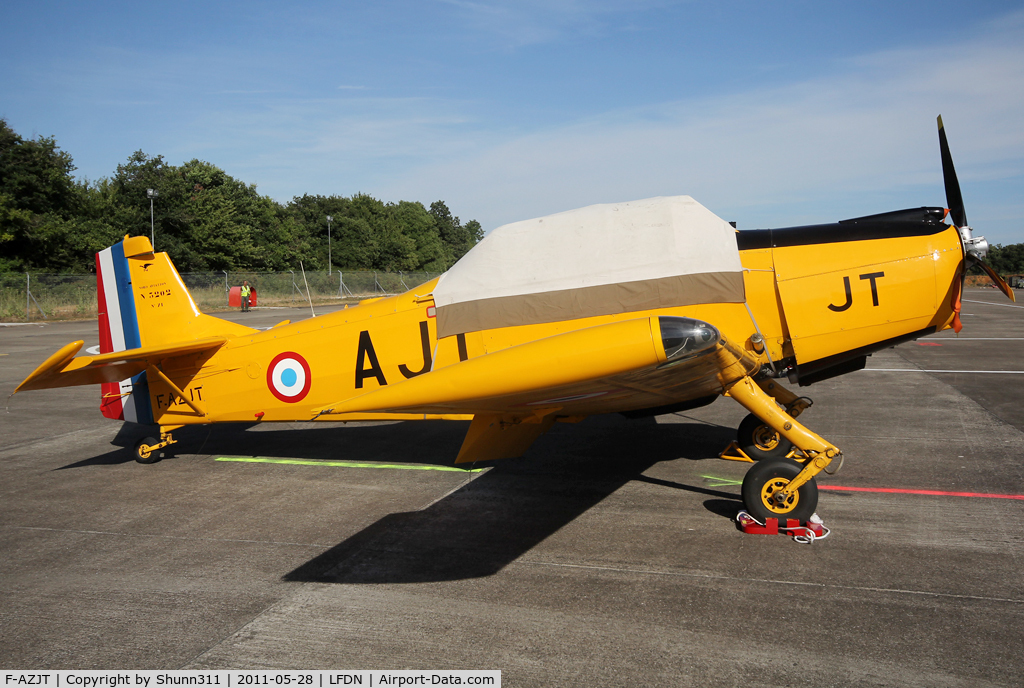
{"type": "Point", "coordinates": [329, 219]}
{"type": "Point", "coordinates": [151, 194]}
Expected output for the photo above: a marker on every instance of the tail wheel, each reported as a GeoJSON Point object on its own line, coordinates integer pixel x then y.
{"type": "Point", "coordinates": [760, 441]}
{"type": "Point", "coordinates": [143, 453]}
{"type": "Point", "coordinates": [763, 483]}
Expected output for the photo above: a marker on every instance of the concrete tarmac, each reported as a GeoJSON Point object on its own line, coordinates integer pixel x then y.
{"type": "Point", "coordinates": [605, 557]}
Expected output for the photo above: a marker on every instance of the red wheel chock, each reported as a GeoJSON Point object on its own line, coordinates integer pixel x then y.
{"type": "Point", "coordinates": [807, 532]}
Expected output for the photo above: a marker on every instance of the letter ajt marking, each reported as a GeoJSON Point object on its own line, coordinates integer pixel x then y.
{"type": "Point", "coordinates": [425, 343]}
{"type": "Point", "coordinates": [366, 351]}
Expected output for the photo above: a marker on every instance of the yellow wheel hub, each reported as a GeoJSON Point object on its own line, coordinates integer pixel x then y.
{"type": "Point", "coordinates": [769, 494]}
{"type": "Point", "coordinates": [765, 438]}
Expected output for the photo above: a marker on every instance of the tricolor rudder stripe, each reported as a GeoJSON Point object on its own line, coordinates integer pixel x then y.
{"type": "Point", "coordinates": [119, 330]}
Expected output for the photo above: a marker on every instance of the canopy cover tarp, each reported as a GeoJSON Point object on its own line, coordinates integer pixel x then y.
{"type": "Point", "coordinates": [598, 260]}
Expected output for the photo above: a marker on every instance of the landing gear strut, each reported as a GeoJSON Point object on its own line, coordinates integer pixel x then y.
{"type": "Point", "coordinates": [779, 487]}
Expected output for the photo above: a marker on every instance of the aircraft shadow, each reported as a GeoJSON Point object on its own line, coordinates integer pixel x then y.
{"type": "Point", "coordinates": [502, 514]}
{"type": "Point", "coordinates": [431, 443]}
{"type": "Point", "coordinates": [487, 523]}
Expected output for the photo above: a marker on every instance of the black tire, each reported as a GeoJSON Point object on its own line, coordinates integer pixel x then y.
{"type": "Point", "coordinates": [766, 477]}
{"type": "Point", "coordinates": [759, 441]}
{"type": "Point", "coordinates": [147, 456]}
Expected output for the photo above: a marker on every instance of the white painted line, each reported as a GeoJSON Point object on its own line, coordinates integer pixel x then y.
{"type": "Point", "coordinates": [811, 584]}
{"type": "Point", "coordinates": [167, 537]}
{"type": "Point", "coordinates": [973, 339]}
{"type": "Point", "coordinates": [993, 303]}
{"type": "Point", "coordinates": [921, 370]}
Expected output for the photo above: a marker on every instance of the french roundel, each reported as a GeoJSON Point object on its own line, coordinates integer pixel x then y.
{"type": "Point", "coordinates": [288, 377]}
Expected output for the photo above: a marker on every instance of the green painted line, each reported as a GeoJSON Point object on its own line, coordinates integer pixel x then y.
{"type": "Point", "coordinates": [722, 482]}
{"type": "Point", "coordinates": [347, 464]}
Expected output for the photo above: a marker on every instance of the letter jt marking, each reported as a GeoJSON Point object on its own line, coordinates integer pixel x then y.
{"type": "Point", "coordinates": [872, 276]}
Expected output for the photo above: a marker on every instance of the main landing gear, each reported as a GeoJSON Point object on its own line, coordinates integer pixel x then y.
{"type": "Point", "coordinates": [786, 455]}
{"type": "Point", "coordinates": [756, 440]}
{"type": "Point", "coordinates": [766, 492]}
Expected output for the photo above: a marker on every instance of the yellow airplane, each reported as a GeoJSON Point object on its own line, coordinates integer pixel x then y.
{"type": "Point", "coordinates": [638, 308]}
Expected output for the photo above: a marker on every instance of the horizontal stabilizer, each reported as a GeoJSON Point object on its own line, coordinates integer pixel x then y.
{"type": "Point", "coordinates": [64, 369]}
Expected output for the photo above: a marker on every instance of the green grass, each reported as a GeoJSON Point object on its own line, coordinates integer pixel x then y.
{"type": "Point", "coordinates": [73, 297]}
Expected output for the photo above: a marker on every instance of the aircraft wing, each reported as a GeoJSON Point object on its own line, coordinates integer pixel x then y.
{"type": "Point", "coordinates": [518, 392]}
{"type": "Point", "coordinates": [65, 369]}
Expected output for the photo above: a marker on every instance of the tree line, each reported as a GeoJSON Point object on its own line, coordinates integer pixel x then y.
{"type": "Point", "coordinates": [209, 221]}
{"type": "Point", "coordinates": [204, 218]}
{"type": "Point", "coordinates": [1005, 260]}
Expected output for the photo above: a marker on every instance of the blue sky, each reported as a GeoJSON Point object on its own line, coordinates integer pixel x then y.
{"type": "Point", "coordinates": [770, 114]}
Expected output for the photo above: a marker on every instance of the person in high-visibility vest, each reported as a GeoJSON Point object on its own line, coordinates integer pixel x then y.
{"type": "Point", "coordinates": [245, 296]}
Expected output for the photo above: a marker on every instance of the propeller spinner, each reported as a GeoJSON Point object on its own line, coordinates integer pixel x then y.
{"type": "Point", "coordinates": [975, 248]}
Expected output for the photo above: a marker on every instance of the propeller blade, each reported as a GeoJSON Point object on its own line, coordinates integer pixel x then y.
{"type": "Point", "coordinates": [953, 197]}
{"type": "Point", "coordinates": [974, 247]}
{"type": "Point", "coordinates": [1000, 282]}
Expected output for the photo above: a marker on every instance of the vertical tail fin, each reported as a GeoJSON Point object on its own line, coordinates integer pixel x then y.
{"type": "Point", "coordinates": [143, 302]}
{"type": "Point", "coordinates": [119, 330]}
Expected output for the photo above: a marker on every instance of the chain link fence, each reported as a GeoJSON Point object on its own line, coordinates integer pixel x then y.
{"type": "Point", "coordinates": [41, 296]}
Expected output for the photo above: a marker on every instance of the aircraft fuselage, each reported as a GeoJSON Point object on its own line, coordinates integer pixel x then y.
{"type": "Point", "coordinates": [822, 297]}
